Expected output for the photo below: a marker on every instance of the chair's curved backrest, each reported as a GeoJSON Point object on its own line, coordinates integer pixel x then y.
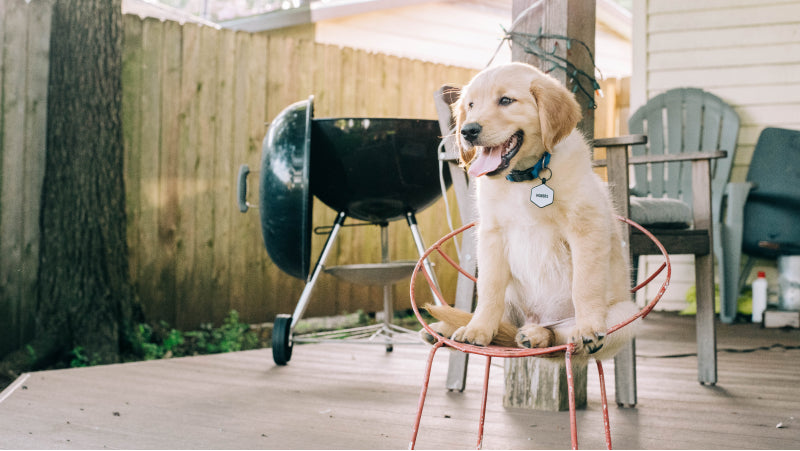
{"type": "Point", "coordinates": [772, 210]}
{"type": "Point", "coordinates": [678, 121]}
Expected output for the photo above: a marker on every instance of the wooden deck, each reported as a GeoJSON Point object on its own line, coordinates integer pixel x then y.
{"type": "Point", "coordinates": [347, 396]}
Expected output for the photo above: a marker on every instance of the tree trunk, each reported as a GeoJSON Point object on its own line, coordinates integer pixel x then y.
{"type": "Point", "coordinates": [85, 299]}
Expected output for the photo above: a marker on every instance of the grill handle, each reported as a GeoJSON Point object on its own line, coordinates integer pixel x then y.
{"type": "Point", "coordinates": [241, 190]}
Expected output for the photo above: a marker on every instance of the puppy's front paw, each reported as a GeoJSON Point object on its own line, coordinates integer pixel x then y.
{"type": "Point", "coordinates": [473, 335]}
{"type": "Point", "coordinates": [440, 328]}
{"type": "Point", "coordinates": [534, 336]}
{"type": "Point", "coordinates": [588, 339]}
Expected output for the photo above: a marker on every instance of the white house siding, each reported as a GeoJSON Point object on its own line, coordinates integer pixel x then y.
{"type": "Point", "coordinates": [747, 52]}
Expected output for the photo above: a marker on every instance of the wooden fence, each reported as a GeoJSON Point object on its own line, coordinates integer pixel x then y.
{"type": "Point", "coordinates": [196, 104]}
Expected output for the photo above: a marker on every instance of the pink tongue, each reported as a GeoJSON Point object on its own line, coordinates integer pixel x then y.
{"type": "Point", "coordinates": [488, 160]}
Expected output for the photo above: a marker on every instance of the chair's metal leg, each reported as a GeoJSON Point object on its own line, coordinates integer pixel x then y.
{"type": "Point", "coordinates": [423, 393]}
{"type": "Point", "coordinates": [604, 400]}
{"type": "Point", "coordinates": [302, 303]}
{"type": "Point", "coordinates": [573, 421]}
{"type": "Point", "coordinates": [412, 224]}
{"type": "Point", "coordinates": [483, 401]}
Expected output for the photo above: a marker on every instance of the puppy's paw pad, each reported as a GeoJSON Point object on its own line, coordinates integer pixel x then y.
{"type": "Point", "coordinates": [589, 342]}
{"type": "Point", "coordinates": [437, 329]}
{"type": "Point", "coordinates": [427, 337]}
{"type": "Point", "coordinates": [535, 337]}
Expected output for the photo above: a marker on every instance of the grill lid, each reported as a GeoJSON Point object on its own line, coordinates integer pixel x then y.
{"type": "Point", "coordinates": [284, 193]}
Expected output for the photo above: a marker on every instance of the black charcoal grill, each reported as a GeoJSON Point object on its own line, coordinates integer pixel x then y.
{"type": "Point", "coordinates": [370, 169]}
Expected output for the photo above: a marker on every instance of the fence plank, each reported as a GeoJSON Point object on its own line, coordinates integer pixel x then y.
{"type": "Point", "coordinates": [39, 19]}
{"type": "Point", "coordinates": [206, 294]}
{"type": "Point", "coordinates": [132, 132]}
{"type": "Point", "coordinates": [260, 297]}
{"type": "Point", "coordinates": [187, 182]}
{"type": "Point", "coordinates": [247, 235]}
{"type": "Point", "coordinates": [224, 172]}
{"type": "Point", "coordinates": [148, 100]}
{"type": "Point", "coordinates": [22, 99]}
{"type": "Point", "coordinates": [165, 287]}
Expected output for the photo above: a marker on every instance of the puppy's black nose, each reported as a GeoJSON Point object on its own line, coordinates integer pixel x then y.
{"type": "Point", "coordinates": [471, 131]}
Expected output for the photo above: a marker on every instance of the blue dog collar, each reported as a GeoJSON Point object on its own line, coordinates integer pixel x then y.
{"type": "Point", "coordinates": [530, 173]}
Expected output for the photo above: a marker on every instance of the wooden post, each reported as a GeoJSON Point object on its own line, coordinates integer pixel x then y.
{"type": "Point", "coordinates": [573, 18]}
{"type": "Point", "coordinates": [531, 382]}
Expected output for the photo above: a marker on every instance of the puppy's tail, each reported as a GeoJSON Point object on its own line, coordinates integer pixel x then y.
{"type": "Point", "coordinates": [455, 318]}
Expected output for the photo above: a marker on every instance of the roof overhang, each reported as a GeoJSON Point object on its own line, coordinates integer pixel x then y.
{"type": "Point", "coordinates": [314, 12]}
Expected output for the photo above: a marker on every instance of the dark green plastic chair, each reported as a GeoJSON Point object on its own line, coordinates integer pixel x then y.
{"type": "Point", "coordinates": [763, 213]}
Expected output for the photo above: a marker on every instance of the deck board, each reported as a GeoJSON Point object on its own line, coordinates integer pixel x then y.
{"type": "Point", "coordinates": [346, 396]}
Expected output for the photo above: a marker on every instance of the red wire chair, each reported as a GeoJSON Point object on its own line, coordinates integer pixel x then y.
{"type": "Point", "coordinates": [498, 351]}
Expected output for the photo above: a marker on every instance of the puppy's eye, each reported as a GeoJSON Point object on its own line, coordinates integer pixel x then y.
{"type": "Point", "coordinates": [470, 105]}
{"type": "Point", "coordinates": [504, 101]}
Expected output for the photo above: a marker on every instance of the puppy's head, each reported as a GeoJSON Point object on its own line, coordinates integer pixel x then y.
{"type": "Point", "coordinates": [509, 115]}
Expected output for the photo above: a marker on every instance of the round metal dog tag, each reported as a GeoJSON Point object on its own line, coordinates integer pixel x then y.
{"type": "Point", "coordinates": [542, 195]}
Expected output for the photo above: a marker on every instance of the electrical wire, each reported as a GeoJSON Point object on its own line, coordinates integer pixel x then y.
{"type": "Point", "coordinates": [443, 187]}
{"type": "Point", "coordinates": [728, 350]}
{"type": "Point", "coordinates": [529, 42]}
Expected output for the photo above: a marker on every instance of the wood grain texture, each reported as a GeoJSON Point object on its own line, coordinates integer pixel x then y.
{"type": "Point", "coordinates": [367, 400]}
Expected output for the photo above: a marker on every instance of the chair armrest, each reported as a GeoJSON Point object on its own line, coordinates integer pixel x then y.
{"type": "Point", "coordinates": [627, 140]}
{"type": "Point", "coordinates": [686, 156]}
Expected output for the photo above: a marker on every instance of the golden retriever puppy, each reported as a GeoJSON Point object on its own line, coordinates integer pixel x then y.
{"type": "Point", "coordinates": [552, 264]}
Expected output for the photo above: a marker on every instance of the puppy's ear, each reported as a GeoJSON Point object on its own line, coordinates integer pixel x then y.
{"type": "Point", "coordinates": [465, 156]}
{"type": "Point", "coordinates": [559, 112]}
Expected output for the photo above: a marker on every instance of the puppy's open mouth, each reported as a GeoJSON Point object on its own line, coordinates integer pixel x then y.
{"type": "Point", "coordinates": [491, 160]}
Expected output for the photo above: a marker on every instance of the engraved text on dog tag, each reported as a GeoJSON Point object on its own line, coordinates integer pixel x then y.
{"type": "Point", "coordinates": [542, 195]}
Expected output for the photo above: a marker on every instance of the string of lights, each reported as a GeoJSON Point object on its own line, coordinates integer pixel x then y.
{"type": "Point", "coordinates": [531, 43]}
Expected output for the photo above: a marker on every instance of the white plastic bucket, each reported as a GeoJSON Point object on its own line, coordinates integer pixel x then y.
{"type": "Point", "coordinates": [789, 281]}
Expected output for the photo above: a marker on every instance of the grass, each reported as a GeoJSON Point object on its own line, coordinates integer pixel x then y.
{"type": "Point", "coordinates": [160, 341]}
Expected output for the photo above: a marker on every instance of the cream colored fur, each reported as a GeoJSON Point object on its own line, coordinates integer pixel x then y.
{"type": "Point", "coordinates": [539, 266]}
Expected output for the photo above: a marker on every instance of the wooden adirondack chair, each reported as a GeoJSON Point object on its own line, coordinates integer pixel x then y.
{"type": "Point", "coordinates": [677, 191]}
{"type": "Point", "coordinates": [681, 121]}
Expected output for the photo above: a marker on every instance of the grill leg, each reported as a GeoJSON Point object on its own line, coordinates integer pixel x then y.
{"type": "Point", "coordinates": [302, 303]}
{"type": "Point", "coordinates": [412, 223]}
{"type": "Point", "coordinates": [388, 310]}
